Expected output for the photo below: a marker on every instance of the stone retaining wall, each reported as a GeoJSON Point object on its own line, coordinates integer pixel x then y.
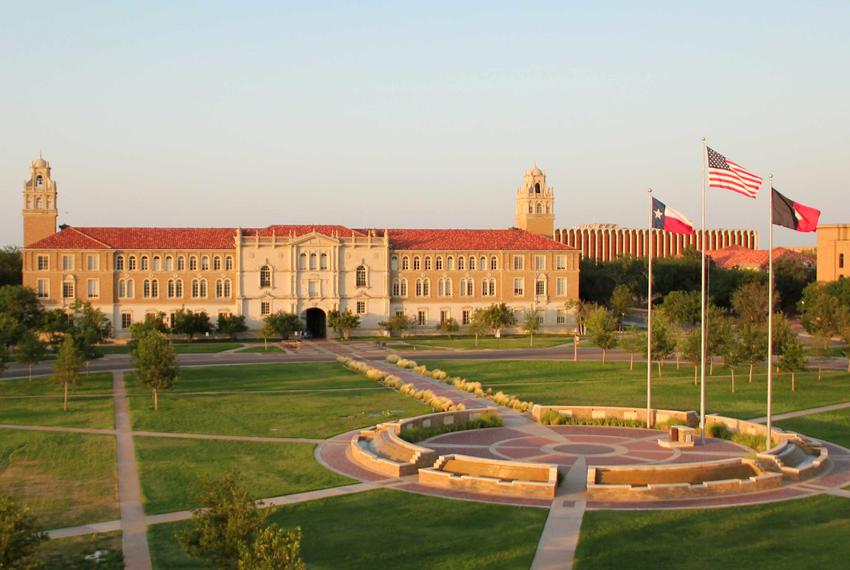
{"type": "Point", "coordinates": [382, 451]}
{"type": "Point", "coordinates": [492, 477]}
{"type": "Point", "coordinates": [689, 418]}
{"type": "Point", "coordinates": [438, 419]}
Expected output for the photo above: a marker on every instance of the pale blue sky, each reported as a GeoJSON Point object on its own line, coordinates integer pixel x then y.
{"type": "Point", "coordinates": [419, 114]}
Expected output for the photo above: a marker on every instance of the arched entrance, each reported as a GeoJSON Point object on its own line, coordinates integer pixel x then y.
{"type": "Point", "coordinates": [316, 323]}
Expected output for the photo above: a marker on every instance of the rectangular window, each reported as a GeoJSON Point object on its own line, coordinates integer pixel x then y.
{"type": "Point", "coordinates": [361, 307]}
{"type": "Point", "coordinates": [561, 286]}
{"type": "Point", "coordinates": [539, 262]}
{"type": "Point", "coordinates": [67, 262]}
{"type": "Point", "coordinates": [68, 290]}
{"type": "Point", "coordinates": [313, 288]}
{"type": "Point", "coordinates": [421, 318]}
{"type": "Point", "coordinates": [464, 318]}
{"type": "Point", "coordinates": [561, 317]}
{"type": "Point", "coordinates": [43, 263]}
{"type": "Point", "coordinates": [265, 308]}
{"type": "Point", "coordinates": [540, 287]}
{"type": "Point", "coordinates": [539, 318]}
{"type": "Point", "coordinates": [519, 288]}
{"type": "Point", "coordinates": [91, 262]}
{"type": "Point", "coordinates": [444, 315]}
{"type": "Point", "coordinates": [492, 287]}
{"type": "Point", "coordinates": [561, 262]}
{"type": "Point", "coordinates": [43, 288]}
{"type": "Point", "coordinates": [126, 320]}
{"type": "Point", "coordinates": [518, 262]}
{"type": "Point", "coordinates": [399, 313]}
{"type": "Point", "coordinates": [93, 288]}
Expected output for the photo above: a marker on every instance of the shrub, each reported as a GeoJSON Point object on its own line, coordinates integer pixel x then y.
{"type": "Point", "coordinates": [750, 440]}
{"type": "Point", "coordinates": [414, 435]}
{"type": "Point", "coordinates": [720, 431]}
{"type": "Point", "coordinates": [393, 358]}
{"type": "Point", "coordinates": [554, 418]}
{"type": "Point", "coordinates": [438, 374]}
{"type": "Point", "coordinates": [405, 363]}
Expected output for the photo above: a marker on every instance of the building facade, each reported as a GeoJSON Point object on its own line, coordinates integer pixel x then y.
{"type": "Point", "coordinates": [833, 251]}
{"type": "Point", "coordinates": [604, 242]}
{"type": "Point", "coordinates": [309, 270]}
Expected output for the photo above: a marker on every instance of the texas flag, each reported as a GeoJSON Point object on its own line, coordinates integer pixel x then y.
{"type": "Point", "coordinates": [669, 220]}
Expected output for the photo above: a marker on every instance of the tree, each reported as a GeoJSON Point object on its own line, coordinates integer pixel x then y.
{"type": "Point", "coordinates": [396, 324]}
{"type": "Point", "coordinates": [600, 327]}
{"type": "Point", "coordinates": [90, 321]}
{"type": "Point", "coordinates": [267, 331]}
{"type": "Point", "coordinates": [749, 302]}
{"type": "Point", "coordinates": [343, 322]}
{"type": "Point", "coordinates": [283, 324]}
{"type": "Point", "coordinates": [792, 360]}
{"type": "Point", "coordinates": [22, 304]}
{"type": "Point", "coordinates": [273, 549]}
{"type": "Point", "coordinates": [30, 351]}
{"type": "Point", "coordinates": [231, 325]}
{"type": "Point", "coordinates": [10, 330]}
{"type": "Point", "coordinates": [448, 326]}
{"type": "Point", "coordinates": [10, 266]}
{"type": "Point", "coordinates": [19, 536]}
{"type": "Point", "coordinates": [228, 519]}
{"type": "Point", "coordinates": [530, 324]}
{"type": "Point", "coordinates": [682, 307]}
{"type": "Point", "coordinates": [753, 341]}
{"type": "Point", "coordinates": [57, 323]}
{"type": "Point", "coordinates": [66, 369]}
{"type": "Point", "coordinates": [663, 340]}
{"type": "Point", "coordinates": [791, 275]}
{"type": "Point", "coordinates": [478, 324]}
{"type": "Point", "coordinates": [155, 362]}
{"type": "Point", "coordinates": [730, 347]}
{"type": "Point", "coordinates": [582, 310]}
{"type": "Point", "coordinates": [633, 342]}
{"type": "Point", "coordinates": [499, 316]}
{"type": "Point", "coordinates": [190, 323]}
{"type": "Point", "coordinates": [621, 301]}
{"type": "Point", "coordinates": [155, 322]}
{"type": "Point", "coordinates": [689, 345]}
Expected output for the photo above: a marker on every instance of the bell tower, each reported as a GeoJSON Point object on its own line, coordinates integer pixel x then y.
{"type": "Point", "coordinates": [39, 203]}
{"type": "Point", "coordinates": [535, 204]}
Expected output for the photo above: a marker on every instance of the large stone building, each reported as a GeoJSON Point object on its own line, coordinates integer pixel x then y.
{"type": "Point", "coordinates": [429, 275]}
{"type": "Point", "coordinates": [833, 251]}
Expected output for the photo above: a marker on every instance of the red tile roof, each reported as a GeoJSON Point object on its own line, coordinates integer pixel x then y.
{"type": "Point", "coordinates": [299, 230]}
{"type": "Point", "coordinates": [736, 256]}
{"type": "Point", "coordinates": [484, 240]}
{"type": "Point", "coordinates": [138, 238]}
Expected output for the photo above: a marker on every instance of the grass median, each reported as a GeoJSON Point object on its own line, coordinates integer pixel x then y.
{"type": "Point", "coordinates": [392, 529]}
{"type": "Point", "coordinates": [313, 400]}
{"type": "Point", "coordinates": [830, 426]}
{"type": "Point", "coordinates": [40, 402]}
{"type": "Point", "coordinates": [613, 384]}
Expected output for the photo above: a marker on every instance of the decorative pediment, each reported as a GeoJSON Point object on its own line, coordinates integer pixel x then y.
{"type": "Point", "coordinates": [315, 239]}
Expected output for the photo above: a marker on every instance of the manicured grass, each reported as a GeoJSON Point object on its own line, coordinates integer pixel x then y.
{"type": "Point", "coordinates": [284, 400]}
{"type": "Point", "coordinates": [829, 426]}
{"type": "Point", "coordinates": [67, 479]}
{"type": "Point", "coordinates": [806, 533]}
{"type": "Point", "coordinates": [70, 553]}
{"type": "Point", "coordinates": [40, 402]}
{"type": "Point", "coordinates": [260, 349]}
{"type": "Point", "coordinates": [506, 342]}
{"type": "Point", "coordinates": [586, 383]}
{"type": "Point", "coordinates": [170, 469]}
{"type": "Point", "coordinates": [391, 529]}
{"type": "Point", "coordinates": [179, 347]}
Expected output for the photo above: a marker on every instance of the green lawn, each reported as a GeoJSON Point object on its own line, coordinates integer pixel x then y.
{"type": "Point", "coordinates": [70, 553]}
{"type": "Point", "coordinates": [40, 402]}
{"type": "Point", "coordinates": [805, 533]}
{"type": "Point", "coordinates": [279, 400]}
{"type": "Point", "coordinates": [67, 479]}
{"type": "Point", "coordinates": [586, 383]}
{"type": "Point", "coordinates": [260, 349]}
{"type": "Point", "coordinates": [468, 343]}
{"type": "Point", "coordinates": [391, 529]}
{"type": "Point", "coordinates": [204, 347]}
{"type": "Point", "coordinates": [170, 468]}
{"type": "Point", "coordinates": [830, 426]}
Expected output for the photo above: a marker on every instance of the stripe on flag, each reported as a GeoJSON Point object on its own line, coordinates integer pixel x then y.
{"type": "Point", "coordinates": [728, 175]}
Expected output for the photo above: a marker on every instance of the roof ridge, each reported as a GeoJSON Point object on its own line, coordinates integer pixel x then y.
{"type": "Point", "coordinates": [82, 233]}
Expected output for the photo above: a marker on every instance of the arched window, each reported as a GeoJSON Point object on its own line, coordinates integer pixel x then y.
{"type": "Point", "coordinates": [157, 263]}
{"type": "Point", "coordinates": [539, 208]}
{"type": "Point", "coordinates": [493, 263]}
{"type": "Point", "coordinates": [472, 264]}
{"type": "Point", "coordinates": [39, 181]}
{"type": "Point", "coordinates": [460, 263]}
{"type": "Point", "coordinates": [169, 291]}
{"type": "Point", "coordinates": [396, 288]}
{"type": "Point", "coordinates": [441, 288]}
{"type": "Point", "coordinates": [119, 263]}
{"type": "Point", "coordinates": [483, 265]}
{"type": "Point", "coordinates": [143, 263]}
{"type": "Point", "coordinates": [483, 287]}
{"type": "Point", "coordinates": [265, 276]}
{"type": "Point", "coordinates": [537, 187]}
{"type": "Point", "coordinates": [492, 287]}
{"type": "Point", "coordinates": [122, 289]}
{"type": "Point", "coordinates": [169, 263]}
{"type": "Point", "coordinates": [404, 287]}
{"type": "Point", "coordinates": [227, 288]}
{"type": "Point", "coordinates": [155, 288]}
{"type": "Point", "coordinates": [216, 263]}
{"type": "Point", "coordinates": [418, 287]}
{"type": "Point", "coordinates": [547, 208]}
{"type": "Point", "coordinates": [361, 276]}
{"type": "Point", "coordinates": [219, 288]}
{"type": "Point", "coordinates": [196, 289]}
{"type": "Point", "coordinates": [470, 287]}
{"type": "Point", "coordinates": [405, 263]}
{"type": "Point", "coordinates": [427, 263]}
{"type": "Point", "coordinates": [302, 261]}
{"type": "Point", "coordinates": [450, 263]}
{"type": "Point", "coordinates": [38, 202]}
{"type": "Point", "coordinates": [447, 288]}
{"type": "Point", "coordinates": [394, 263]}
{"type": "Point", "coordinates": [530, 209]}
{"type": "Point", "coordinates": [130, 288]}
{"type": "Point", "coordinates": [146, 289]}
{"type": "Point", "coordinates": [178, 289]}
{"type": "Point", "coordinates": [323, 261]}
{"type": "Point", "coordinates": [426, 288]}
{"type": "Point", "coordinates": [313, 261]}
{"type": "Point", "coordinates": [193, 263]}
{"type": "Point", "coordinates": [416, 263]}
{"type": "Point", "coordinates": [205, 263]}
{"type": "Point", "coordinates": [228, 263]}
{"type": "Point", "coordinates": [438, 264]}
{"type": "Point", "coordinates": [204, 288]}
{"type": "Point", "coordinates": [181, 263]}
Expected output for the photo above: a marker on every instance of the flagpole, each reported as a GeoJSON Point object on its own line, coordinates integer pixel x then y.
{"type": "Point", "coordinates": [769, 443]}
{"type": "Point", "coordinates": [702, 302]}
{"type": "Point", "coordinates": [649, 421]}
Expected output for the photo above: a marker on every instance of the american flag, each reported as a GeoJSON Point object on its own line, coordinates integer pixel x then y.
{"type": "Point", "coordinates": [723, 173]}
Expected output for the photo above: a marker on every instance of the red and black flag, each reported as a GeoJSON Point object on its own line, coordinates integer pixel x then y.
{"type": "Point", "coordinates": [790, 214]}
